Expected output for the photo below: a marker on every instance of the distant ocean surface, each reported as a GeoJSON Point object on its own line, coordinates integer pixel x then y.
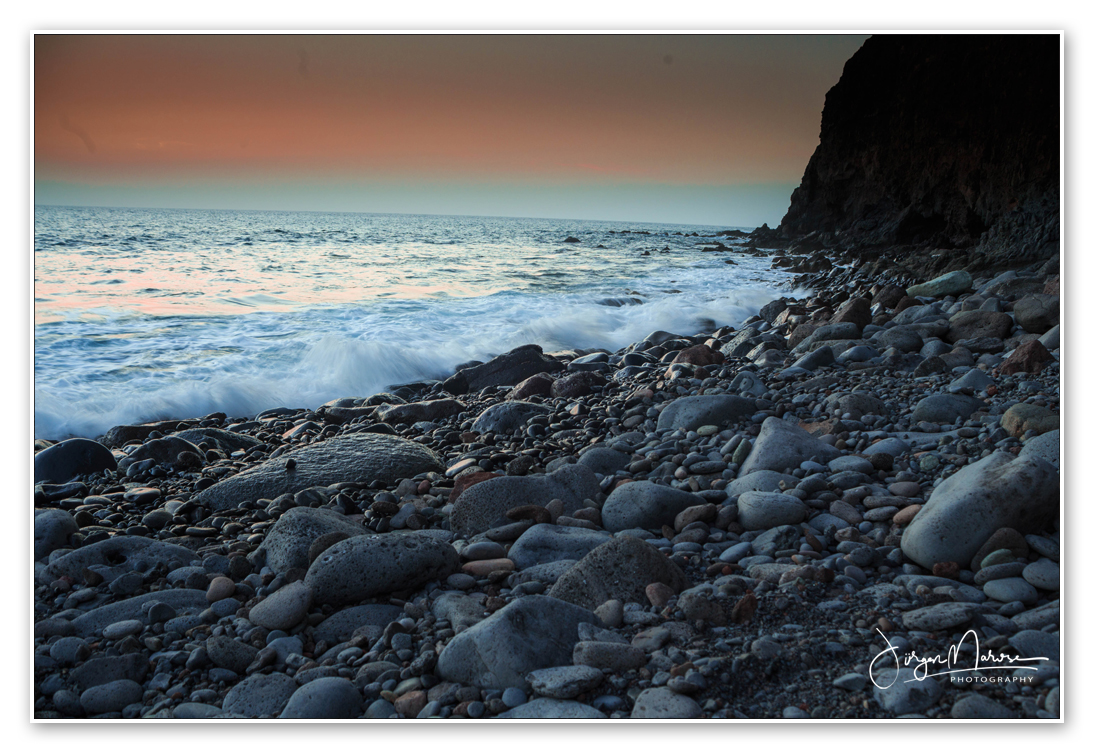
{"type": "Point", "coordinates": [147, 314]}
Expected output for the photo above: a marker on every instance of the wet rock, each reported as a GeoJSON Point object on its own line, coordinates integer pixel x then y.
{"type": "Point", "coordinates": [410, 413]}
{"type": "Point", "coordinates": [503, 418]}
{"type": "Point", "coordinates": [66, 460]}
{"type": "Point", "coordinates": [508, 369]}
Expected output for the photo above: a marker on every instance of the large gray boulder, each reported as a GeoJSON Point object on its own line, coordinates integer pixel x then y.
{"type": "Point", "coordinates": [1045, 446]}
{"type": "Point", "coordinates": [549, 543]}
{"type": "Point", "coordinates": [689, 413]}
{"type": "Point", "coordinates": [325, 698]}
{"type": "Point", "coordinates": [341, 625]}
{"type": "Point", "coordinates": [781, 445]}
{"type": "Point", "coordinates": [165, 451]}
{"type": "Point", "coordinates": [1000, 491]}
{"type": "Point", "coordinates": [287, 541]}
{"type": "Point", "coordinates": [52, 527]}
{"type": "Point", "coordinates": [182, 600]}
{"type": "Point", "coordinates": [663, 703]}
{"type": "Point", "coordinates": [362, 457]}
{"type": "Point", "coordinates": [760, 481]}
{"type": "Point", "coordinates": [968, 325]}
{"type": "Point", "coordinates": [66, 460]}
{"type": "Point", "coordinates": [618, 569]}
{"type": "Point", "coordinates": [644, 504]}
{"type": "Point", "coordinates": [504, 417]}
{"type": "Point", "coordinates": [362, 567]}
{"type": "Point", "coordinates": [484, 505]}
{"type": "Point", "coordinates": [533, 632]}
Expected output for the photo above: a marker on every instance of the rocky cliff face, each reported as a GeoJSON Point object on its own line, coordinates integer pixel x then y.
{"type": "Point", "coordinates": [939, 142]}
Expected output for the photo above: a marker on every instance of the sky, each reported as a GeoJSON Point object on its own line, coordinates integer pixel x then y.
{"type": "Point", "coordinates": [694, 129]}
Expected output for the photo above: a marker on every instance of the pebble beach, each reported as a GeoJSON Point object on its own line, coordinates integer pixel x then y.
{"type": "Point", "coordinates": [763, 521]}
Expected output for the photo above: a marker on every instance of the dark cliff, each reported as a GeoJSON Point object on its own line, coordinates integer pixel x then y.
{"type": "Point", "coordinates": [939, 142]}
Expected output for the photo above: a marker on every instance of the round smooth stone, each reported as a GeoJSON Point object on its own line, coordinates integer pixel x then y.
{"type": "Point", "coordinates": [1044, 574]}
{"type": "Point", "coordinates": [1011, 589]}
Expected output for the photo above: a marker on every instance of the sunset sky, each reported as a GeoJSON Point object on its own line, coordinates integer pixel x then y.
{"type": "Point", "coordinates": [694, 129]}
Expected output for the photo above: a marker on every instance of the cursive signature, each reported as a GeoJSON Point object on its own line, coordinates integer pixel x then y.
{"type": "Point", "coordinates": [922, 666]}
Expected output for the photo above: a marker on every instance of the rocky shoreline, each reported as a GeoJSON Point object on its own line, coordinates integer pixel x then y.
{"type": "Point", "coordinates": [755, 522]}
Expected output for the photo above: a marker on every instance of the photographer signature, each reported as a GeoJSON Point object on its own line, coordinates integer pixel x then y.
{"type": "Point", "coordinates": [922, 666]}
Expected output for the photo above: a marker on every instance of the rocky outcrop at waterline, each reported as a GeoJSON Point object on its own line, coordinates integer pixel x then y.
{"type": "Point", "coordinates": [937, 152]}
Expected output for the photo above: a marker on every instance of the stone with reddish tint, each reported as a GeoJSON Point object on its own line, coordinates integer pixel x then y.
{"type": "Point", "coordinates": [659, 594]}
{"type": "Point", "coordinates": [699, 355]}
{"type": "Point", "coordinates": [856, 311]}
{"type": "Point", "coordinates": [221, 587]}
{"type": "Point", "coordinates": [463, 483]}
{"type": "Point", "coordinates": [1022, 417]}
{"type": "Point", "coordinates": [1004, 538]}
{"type": "Point", "coordinates": [578, 384]}
{"type": "Point", "coordinates": [537, 384]}
{"type": "Point", "coordinates": [949, 570]}
{"type": "Point", "coordinates": [1029, 357]}
{"type": "Point", "coordinates": [480, 568]}
{"type": "Point", "coordinates": [410, 704]}
{"type": "Point", "coordinates": [905, 516]}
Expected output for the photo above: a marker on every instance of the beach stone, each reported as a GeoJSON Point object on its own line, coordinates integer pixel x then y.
{"type": "Point", "coordinates": [904, 338]}
{"type": "Point", "coordinates": [759, 511]}
{"type": "Point", "coordinates": [362, 567]}
{"type": "Point", "coordinates": [975, 706]}
{"type": "Point", "coordinates": [411, 413]}
{"type": "Point", "coordinates": [69, 650]}
{"type": "Point", "coordinates": [350, 457]}
{"type": "Point", "coordinates": [1039, 617]}
{"type": "Point", "coordinates": [851, 463]}
{"type": "Point", "coordinates": [530, 633]}
{"type": "Point", "coordinates": [781, 445]}
{"type": "Point", "coordinates": [644, 504]}
{"type": "Point", "coordinates": [1022, 417]}
{"type": "Point", "coordinates": [609, 656]}
{"type": "Point", "coordinates": [689, 413]}
{"type": "Point", "coordinates": [66, 460]}
{"type": "Point", "coordinates": [1029, 357]}
{"type": "Point", "coordinates": [551, 708]}
{"type": "Point", "coordinates": [118, 630]}
{"type": "Point", "coordinates": [121, 553]}
{"type": "Point", "coordinates": [970, 325]}
{"type": "Point", "coordinates": [943, 408]}
{"type": "Point", "coordinates": [505, 370]}
{"type": "Point", "coordinates": [939, 617]}
{"type": "Point", "coordinates": [537, 384]}
{"type": "Point", "coordinates": [325, 698]}
{"type": "Point", "coordinates": [663, 703]}
{"type": "Point", "coordinates": [900, 697]}
{"type": "Point", "coordinates": [760, 481]}
{"type": "Point", "coordinates": [1007, 590]}
{"type": "Point", "coordinates": [1051, 339]}
{"type": "Point", "coordinates": [747, 384]}
{"type": "Point", "coordinates": [284, 609]}
{"type": "Point", "coordinates": [852, 681]}
{"type": "Point", "coordinates": [1037, 313]}
{"type": "Point", "coordinates": [288, 541]}
{"type": "Point", "coordinates": [565, 682]}
{"type": "Point", "coordinates": [341, 625]}
{"type": "Point", "coordinates": [223, 440]}
{"type": "Point", "coordinates": [483, 506]}
{"type": "Point", "coordinates": [1036, 643]}
{"type": "Point", "coordinates": [1000, 491]}
{"type": "Point", "coordinates": [165, 451]}
{"type": "Point", "coordinates": [230, 653]}
{"type": "Point", "coordinates": [549, 543]}
{"type": "Point", "coordinates": [503, 418]}
{"type": "Point", "coordinates": [578, 384]}
{"type": "Point", "coordinates": [1045, 446]}
{"type": "Point", "coordinates": [260, 695]}
{"type": "Point", "coordinates": [950, 283]}
{"type": "Point", "coordinates": [604, 461]}
{"type": "Point", "coordinates": [111, 696]}
{"type": "Point", "coordinates": [618, 569]}
{"type": "Point", "coordinates": [892, 446]}
{"type": "Point", "coordinates": [855, 311]}
{"type": "Point", "coordinates": [1044, 574]}
{"type": "Point", "coordinates": [973, 380]}
{"type": "Point", "coordinates": [106, 669]}
{"type": "Point", "coordinates": [52, 527]}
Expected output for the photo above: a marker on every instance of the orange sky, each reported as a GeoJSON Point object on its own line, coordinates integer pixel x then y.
{"type": "Point", "coordinates": [170, 114]}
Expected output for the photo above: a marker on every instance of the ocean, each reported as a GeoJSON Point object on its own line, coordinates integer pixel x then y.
{"type": "Point", "coordinates": [149, 314]}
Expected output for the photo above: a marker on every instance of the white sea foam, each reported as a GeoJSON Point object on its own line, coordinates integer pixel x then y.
{"type": "Point", "coordinates": [397, 314]}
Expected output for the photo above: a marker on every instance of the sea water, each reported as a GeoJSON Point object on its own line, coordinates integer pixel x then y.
{"type": "Point", "coordinates": [147, 314]}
